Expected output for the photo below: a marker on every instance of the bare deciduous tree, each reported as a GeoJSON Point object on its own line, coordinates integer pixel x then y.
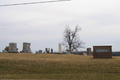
{"type": "Point", "coordinates": [72, 41]}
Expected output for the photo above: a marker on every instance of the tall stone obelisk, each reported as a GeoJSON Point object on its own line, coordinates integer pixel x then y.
{"type": "Point", "coordinates": [59, 48]}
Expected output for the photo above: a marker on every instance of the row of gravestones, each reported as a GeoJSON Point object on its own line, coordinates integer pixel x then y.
{"type": "Point", "coordinates": [12, 48]}
{"type": "Point", "coordinates": [26, 49]}
{"type": "Point", "coordinates": [47, 51]}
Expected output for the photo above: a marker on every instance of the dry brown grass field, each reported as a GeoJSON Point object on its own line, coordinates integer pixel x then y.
{"type": "Point", "coordinates": [16, 66]}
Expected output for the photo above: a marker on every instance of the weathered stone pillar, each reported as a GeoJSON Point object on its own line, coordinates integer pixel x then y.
{"type": "Point", "coordinates": [51, 50]}
{"type": "Point", "coordinates": [60, 48]}
{"type": "Point", "coordinates": [88, 51]}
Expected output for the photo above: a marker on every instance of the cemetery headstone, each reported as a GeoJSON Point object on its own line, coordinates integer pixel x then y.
{"type": "Point", "coordinates": [13, 48]}
{"type": "Point", "coordinates": [51, 50]}
{"type": "Point", "coordinates": [89, 51]}
{"type": "Point", "coordinates": [102, 51]}
{"type": "Point", "coordinates": [60, 48]}
{"type": "Point", "coordinates": [37, 52]}
{"type": "Point", "coordinates": [26, 48]}
{"type": "Point", "coordinates": [40, 51]}
{"type": "Point", "coordinates": [47, 50]}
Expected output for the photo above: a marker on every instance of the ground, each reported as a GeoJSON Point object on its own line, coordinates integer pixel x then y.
{"type": "Point", "coordinates": [57, 66]}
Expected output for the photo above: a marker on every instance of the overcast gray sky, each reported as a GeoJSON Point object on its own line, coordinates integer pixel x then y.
{"type": "Point", "coordinates": [42, 25]}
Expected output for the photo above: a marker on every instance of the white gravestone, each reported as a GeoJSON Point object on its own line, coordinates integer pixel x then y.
{"type": "Point", "coordinates": [60, 48]}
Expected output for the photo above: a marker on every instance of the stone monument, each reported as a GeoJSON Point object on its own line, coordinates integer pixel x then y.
{"type": "Point", "coordinates": [89, 51]}
{"type": "Point", "coordinates": [60, 48]}
{"type": "Point", "coordinates": [13, 48]}
{"type": "Point", "coordinates": [40, 51]}
{"type": "Point", "coordinates": [26, 48]}
{"type": "Point", "coordinates": [104, 51]}
{"type": "Point", "coordinates": [51, 50]}
{"type": "Point", "coordinates": [47, 50]}
{"type": "Point", "coordinates": [37, 52]}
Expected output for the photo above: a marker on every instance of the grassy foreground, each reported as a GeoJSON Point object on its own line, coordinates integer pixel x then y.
{"type": "Point", "coordinates": [60, 67]}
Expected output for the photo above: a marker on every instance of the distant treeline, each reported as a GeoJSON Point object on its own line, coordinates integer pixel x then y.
{"type": "Point", "coordinates": [81, 53]}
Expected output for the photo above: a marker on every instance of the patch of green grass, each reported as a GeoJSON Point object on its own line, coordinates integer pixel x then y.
{"type": "Point", "coordinates": [61, 67]}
